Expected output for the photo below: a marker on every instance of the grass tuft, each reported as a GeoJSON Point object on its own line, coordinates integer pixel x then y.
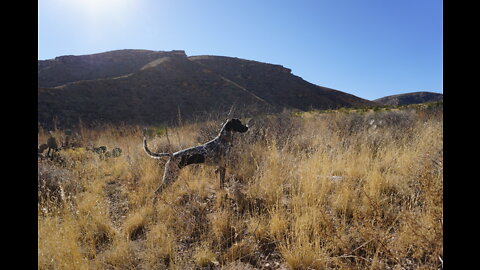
{"type": "Point", "coordinates": [337, 189]}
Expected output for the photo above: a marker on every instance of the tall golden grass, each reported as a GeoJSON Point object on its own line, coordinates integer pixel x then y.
{"type": "Point", "coordinates": [337, 190]}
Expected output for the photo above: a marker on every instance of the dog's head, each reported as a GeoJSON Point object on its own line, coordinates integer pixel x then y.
{"type": "Point", "coordinates": [235, 125]}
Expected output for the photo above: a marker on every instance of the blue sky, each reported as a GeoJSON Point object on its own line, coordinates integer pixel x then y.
{"type": "Point", "coordinates": [368, 48]}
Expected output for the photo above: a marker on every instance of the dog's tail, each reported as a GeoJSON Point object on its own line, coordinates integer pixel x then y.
{"type": "Point", "coordinates": [150, 153]}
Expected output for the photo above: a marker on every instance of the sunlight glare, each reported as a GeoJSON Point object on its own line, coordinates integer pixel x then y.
{"type": "Point", "coordinates": [101, 8]}
{"type": "Point", "coordinates": [98, 17]}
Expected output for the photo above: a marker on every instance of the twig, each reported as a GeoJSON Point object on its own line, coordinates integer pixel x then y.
{"type": "Point", "coordinates": [353, 256]}
{"type": "Point", "coordinates": [168, 140]}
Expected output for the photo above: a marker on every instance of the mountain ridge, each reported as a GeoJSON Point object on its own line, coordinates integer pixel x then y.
{"type": "Point", "coordinates": [151, 87]}
{"type": "Point", "coordinates": [409, 98]}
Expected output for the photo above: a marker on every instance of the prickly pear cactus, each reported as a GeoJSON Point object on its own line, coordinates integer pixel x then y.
{"type": "Point", "coordinates": [52, 142]}
{"type": "Point", "coordinates": [116, 152]}
{"type": "Point", "coordinates": [100, 150]}
{"type": "Point", "coordinates": [42, 148]}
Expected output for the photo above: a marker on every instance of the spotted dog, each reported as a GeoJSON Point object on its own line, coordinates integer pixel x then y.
{"type": "Point", "coordinates": [214, 152]}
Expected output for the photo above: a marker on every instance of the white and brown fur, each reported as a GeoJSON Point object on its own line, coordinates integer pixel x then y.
{"type": "Point", "coordinates": [214, 152]}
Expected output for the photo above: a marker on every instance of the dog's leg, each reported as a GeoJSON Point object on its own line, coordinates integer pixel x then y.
{"type": "Point", "coordinates": [170, 174]}
{"type": "Point", "coordinates": [221, 171]}
{"type": "Point", "coordinates": [157, 192]}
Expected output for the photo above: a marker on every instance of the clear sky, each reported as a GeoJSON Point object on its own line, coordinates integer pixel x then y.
{"type": "Point", "coordinates": [368, 48]}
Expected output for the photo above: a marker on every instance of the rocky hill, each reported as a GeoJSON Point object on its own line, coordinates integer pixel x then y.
{"type": "Point", "coordinates": [71, 68]}
{"type": "Point", "coordinates": [154, 87]}
{"type": "Point", "coordinates": [410, 98]}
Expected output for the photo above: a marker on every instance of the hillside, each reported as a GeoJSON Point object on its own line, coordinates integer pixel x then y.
{"type": "Point", "coordinates": [277, 84]}
{"type": "Point", "coordinates": [148, 87]}
{"type": "Point", "coordinates": [71, 68]}
{"type": "Point", "coordinates": [410, 98]}
{"type": "Point", "coordinates": [357, 190]}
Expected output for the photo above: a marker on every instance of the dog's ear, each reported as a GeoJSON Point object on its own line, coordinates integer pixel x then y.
{"type": "Point", "coordinates": [238, 126]}
{"type": "Point", "coordinates": [228, 126]}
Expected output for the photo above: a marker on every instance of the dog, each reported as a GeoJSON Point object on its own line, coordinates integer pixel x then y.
{"type": "Point", "coordinates": [214, 153]}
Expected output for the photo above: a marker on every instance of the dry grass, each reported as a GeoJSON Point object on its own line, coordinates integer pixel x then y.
{"type": "Point", "coordinates": [333, 190]}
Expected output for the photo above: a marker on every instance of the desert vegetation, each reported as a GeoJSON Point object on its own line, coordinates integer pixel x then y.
{"type": "Point", "coordinates": [314, 190]}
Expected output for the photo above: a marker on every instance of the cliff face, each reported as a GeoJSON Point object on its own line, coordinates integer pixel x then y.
{"type": "Point", "coordinates": [148, 87]}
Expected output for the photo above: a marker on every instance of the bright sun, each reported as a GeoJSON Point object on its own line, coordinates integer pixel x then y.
{"type": "Point", "coordinates": [101, 7]}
